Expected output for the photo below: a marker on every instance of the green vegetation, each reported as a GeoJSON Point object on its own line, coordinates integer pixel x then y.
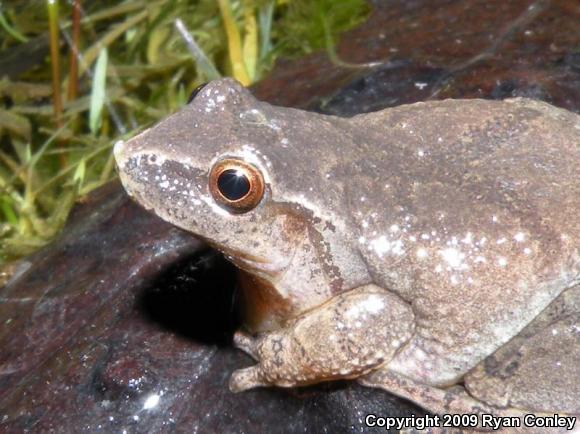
{"type": "Point", "coordinates": [61, 113]}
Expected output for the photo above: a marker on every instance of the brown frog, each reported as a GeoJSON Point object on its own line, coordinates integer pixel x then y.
{"type": "Point", "coordinates": [431, 249]}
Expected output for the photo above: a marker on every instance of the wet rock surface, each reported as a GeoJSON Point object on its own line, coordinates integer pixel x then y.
{"type": "Point", "coordinates": [125, 323]}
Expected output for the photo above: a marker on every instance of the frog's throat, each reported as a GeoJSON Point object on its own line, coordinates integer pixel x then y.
{"type": "Point", "coordinates": [270, 269]}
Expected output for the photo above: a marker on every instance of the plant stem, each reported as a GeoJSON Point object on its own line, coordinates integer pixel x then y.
{"type": "Point", "coordinates": [54, 60]}
{"type": "Point", "coordinates": [73, 81]}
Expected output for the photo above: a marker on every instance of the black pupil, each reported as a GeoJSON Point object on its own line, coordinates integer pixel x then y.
{"type": "Point", "coordinates": [233, 184]}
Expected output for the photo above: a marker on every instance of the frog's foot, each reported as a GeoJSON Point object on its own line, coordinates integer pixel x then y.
{"type": "Point", "coordinates": [247, 378]}
{"type": "Point", "coordinates": [346, 337]}
{"type": "Point", "coordinates": [247, 343]}
{"type": "Point", "coordinates": [453, 400]}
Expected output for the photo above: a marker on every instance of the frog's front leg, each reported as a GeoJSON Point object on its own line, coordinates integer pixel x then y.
{"type": "Point", "coordinates": [346, 337]}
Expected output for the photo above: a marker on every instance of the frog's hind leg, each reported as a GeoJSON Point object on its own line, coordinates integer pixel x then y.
{"type": "Point", "coordinates": [536, 373]}
{"type": "Point", "coordinates": [539, 369]}
{"type": "Point", "coordinates": [453, 400]}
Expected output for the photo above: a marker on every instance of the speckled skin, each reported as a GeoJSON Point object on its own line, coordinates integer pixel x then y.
{"type": "Point", "coordinates": [405, 247]}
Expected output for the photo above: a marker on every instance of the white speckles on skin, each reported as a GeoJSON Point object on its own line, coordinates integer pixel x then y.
{"type": "Point", "coordinates": [210, 105]}
{"type": "Point", "coordinates": [527, 251]}
{"type": "Point", "coordinates": [362, 240]}
{"type": "Point", "coordinates": [397, 248]}
{"type": "Point", "coordinates": [501, 261]}
{"type": "Point", "coordinates": [420, 85]}
{"type": "Point", "coordinates": [501, 240]}
{"type": "Point", "coordinates": [421, 153]}
{"type": "Point", "coordinates": [394, 228]}
{"type": "Point", "coordinates": [220, 98]}
{"type": "Point", "coordinates": [453, 257]}
{"type": "Point", "coordinates": [373, 304]}
{"type": "Point", "coordinates": [519, 237]}
{"type": "Point", "coordinates": [468, 239]}
{"type": "Point", "coordinates": [380, 245]}
{"type": "Point", "coordinates": [494, 219]}
{"type": "Point", "coordinates": [273, 124]}
{"type": "Point", "coordinates": [164, 184]}
{"type": "Point", "coordinates": [421, 253]}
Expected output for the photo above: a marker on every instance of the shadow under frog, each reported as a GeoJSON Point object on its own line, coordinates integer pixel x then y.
{"type": "Point", "coordinates": [431, 249]}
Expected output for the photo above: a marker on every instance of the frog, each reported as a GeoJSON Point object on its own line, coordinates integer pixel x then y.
{"type": "Point", "coordinates": [431, 249]}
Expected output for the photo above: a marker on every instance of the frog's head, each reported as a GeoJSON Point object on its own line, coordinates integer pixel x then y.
{"type": "Point", "coordinates": [241, 174]}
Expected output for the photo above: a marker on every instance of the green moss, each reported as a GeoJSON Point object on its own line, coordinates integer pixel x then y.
{"type": "Point", "coordinates": [147, 73]}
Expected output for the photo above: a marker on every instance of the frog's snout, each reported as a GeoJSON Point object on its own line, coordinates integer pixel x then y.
{"type": "Point", "coordinates": [118, 152]}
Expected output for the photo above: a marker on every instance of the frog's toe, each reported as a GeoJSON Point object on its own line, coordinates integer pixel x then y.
{"type": "Point", "coordinates": [244, 379]}
{"type": "Point", "coordinates": [246, 342]}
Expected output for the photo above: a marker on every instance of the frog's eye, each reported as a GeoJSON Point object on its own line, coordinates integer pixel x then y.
{"type": "Point", "coordinates": [236, 185]}
{"type": "Point", "coordinates": [195, 92]}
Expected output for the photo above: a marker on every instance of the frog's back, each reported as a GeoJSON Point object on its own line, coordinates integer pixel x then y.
{"type": "Point", "coordinates": [468, 209]}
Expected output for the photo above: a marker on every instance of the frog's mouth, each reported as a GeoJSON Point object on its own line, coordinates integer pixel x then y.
{"type": "Point", "coordinates": [268, 269]}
